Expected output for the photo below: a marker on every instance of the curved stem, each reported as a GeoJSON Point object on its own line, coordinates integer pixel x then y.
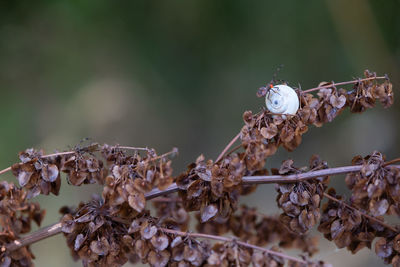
{"type": "Point", "coordinates": [227, 147]}
{"type": "Point", "coordinates": [5, 170]}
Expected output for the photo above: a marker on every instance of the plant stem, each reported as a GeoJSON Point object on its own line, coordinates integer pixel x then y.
{"type": "Point", "coordinates": [390, 162]}
{"type": "Point", "coordinates": [34, 237]}
{"type": "Point", "coordinates": [58, 154]}
{"type": "Point", "coordinates": [342, 83]}
{"type": "Point", "coordinates": [133, 148]}
{"type": "Point", "coordinates": [227, 239]}
{"type": "Point", "coordinates": [5, 170]}
{"type": "Point", "coordinates": [227, 147]}
{"type": "Point", "coordinates": [166, 200]}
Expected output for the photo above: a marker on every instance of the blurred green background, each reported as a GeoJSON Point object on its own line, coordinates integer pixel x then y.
{"type": "Point", "coordinates": [181, 73]}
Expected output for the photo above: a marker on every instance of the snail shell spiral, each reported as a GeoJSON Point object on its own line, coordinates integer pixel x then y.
{"type": "Point", "coordinates": [282, 99]}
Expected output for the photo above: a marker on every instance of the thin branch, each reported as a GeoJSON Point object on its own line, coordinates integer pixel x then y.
{"type": "Point", "coordinates": [390, 162]}
{"type": "Point", "coordinates": [362, 213]}
{"type": "Point", "coordinates": [132, 148]}
{"type": "Point", "coordinates": [270, 179]}
{"type": "Point", "coordinates": [172, 152]}
{"type": "Point", "coordinates": [5, 170]}
{"type": "Point", "coordinates": [343, 83]}
{"type": "Point", "coordinates": [34, 237]}
{"type": "Point", "coordinates": [227, 239]}
{"type": "Point", "coordinates": [157, 192]}
{"type": "Point", "coordinates": [166, 199]}
{"type": "Point", "coordinates": [234, 149]}
{"type": "Point", "coordinates": [58, 154]}
{"type": "Point", "coordinates": [227, 147]}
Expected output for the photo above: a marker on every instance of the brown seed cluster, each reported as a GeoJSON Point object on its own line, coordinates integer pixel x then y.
{"type": "Point", "coordinates": [376, 188]}
{"type": "Point", "coordinates": [389, 249]}
{"type": "Point", "coordinates": [16, 216]}
{"type": "Point", "coordinates": [103, 240]}
{"type": "Point", "coordinates": [213, 188]}
{"type": "Point", "coordinates": [347, 227]}
{"type": "Point", "coordinates": [93, 235]}
{"type": "Point", "coordinates": [300, 201]}
{"type": "Point", "coordinates": [230, 254]}
{"type": "Point", "coordinates": [83, 168]}
{"type": "Point", "coordinates": [366, 93]}
{"type": "Point", "coordinates": [100, 239]}
{"type": "Point", "coordinates": [250, 226]}
{"type": "Point", "coordinates": [172, 214]}
{"type": "Point", "coordinates": [37, 174]}
{"type": "Point", "coordinates": [131, 176]}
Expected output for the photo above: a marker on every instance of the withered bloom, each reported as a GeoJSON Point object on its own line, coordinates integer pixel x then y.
{"type": "Point", "coordinates": [16, 215]}
{"type": "Point", "coordinates": [301, 201]}
{"type": "Point", "coordinates": [36, 174]}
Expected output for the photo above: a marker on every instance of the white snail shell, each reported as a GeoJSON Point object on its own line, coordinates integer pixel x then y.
{"type": "Point", "coordinates": [282, 99]}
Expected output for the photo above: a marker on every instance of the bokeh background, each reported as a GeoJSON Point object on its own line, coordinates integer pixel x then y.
{"type": "Point", "coordinates": [181, 73]}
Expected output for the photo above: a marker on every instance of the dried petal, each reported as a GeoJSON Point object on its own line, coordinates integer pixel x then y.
{"type": "Point", "coordinates": [137, 201]}
{"type": "Point", "coordinates": [208, 212]}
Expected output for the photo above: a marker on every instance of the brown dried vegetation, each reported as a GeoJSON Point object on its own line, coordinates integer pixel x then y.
{"type": "Point", "coordinates": [118, 227]}
{"type": "Point", "coordinates": [16, 216]}
{"type": "Point", "coordinates": [301, 201]}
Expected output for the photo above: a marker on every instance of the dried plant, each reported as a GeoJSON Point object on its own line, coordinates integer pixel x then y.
{"type": "Point", "coordinates": [118, 227]}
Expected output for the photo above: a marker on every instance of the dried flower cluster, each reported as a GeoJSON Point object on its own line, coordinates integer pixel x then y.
{"type": "Point", "coordinates": [83, 167]}
{"type": "Point", "coordinates": [93, 235]}
{"type": "Point", "coordinates": [102, 240]}
{"type": "Point", "coordinates": [116, 227]}
{"type": "Point", "coordinates": [374, 192]}
{"type": "Point", "coordinates": [301, 201]}
{"type": "Point", "coordinates": [261, 230]}
{"type": "Point", "coordinates": [132, 176]}
{"type": "Point", "coordinates": [213, 188]}
{"type": "Point", "coordinates": [347, 227]}
{"type": "Point", "coordinates": [172, 213]}
{"type": "Point", "coordinates": [39, 175]}
{"type": "Point", "coordinates": [366, 93]}
{"type": "Point", "coordinates": [389, 249]}
{"type": "Point", "coordinates": [16, 216]}
{"type": "Point", "coordinates": [376, 188]}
